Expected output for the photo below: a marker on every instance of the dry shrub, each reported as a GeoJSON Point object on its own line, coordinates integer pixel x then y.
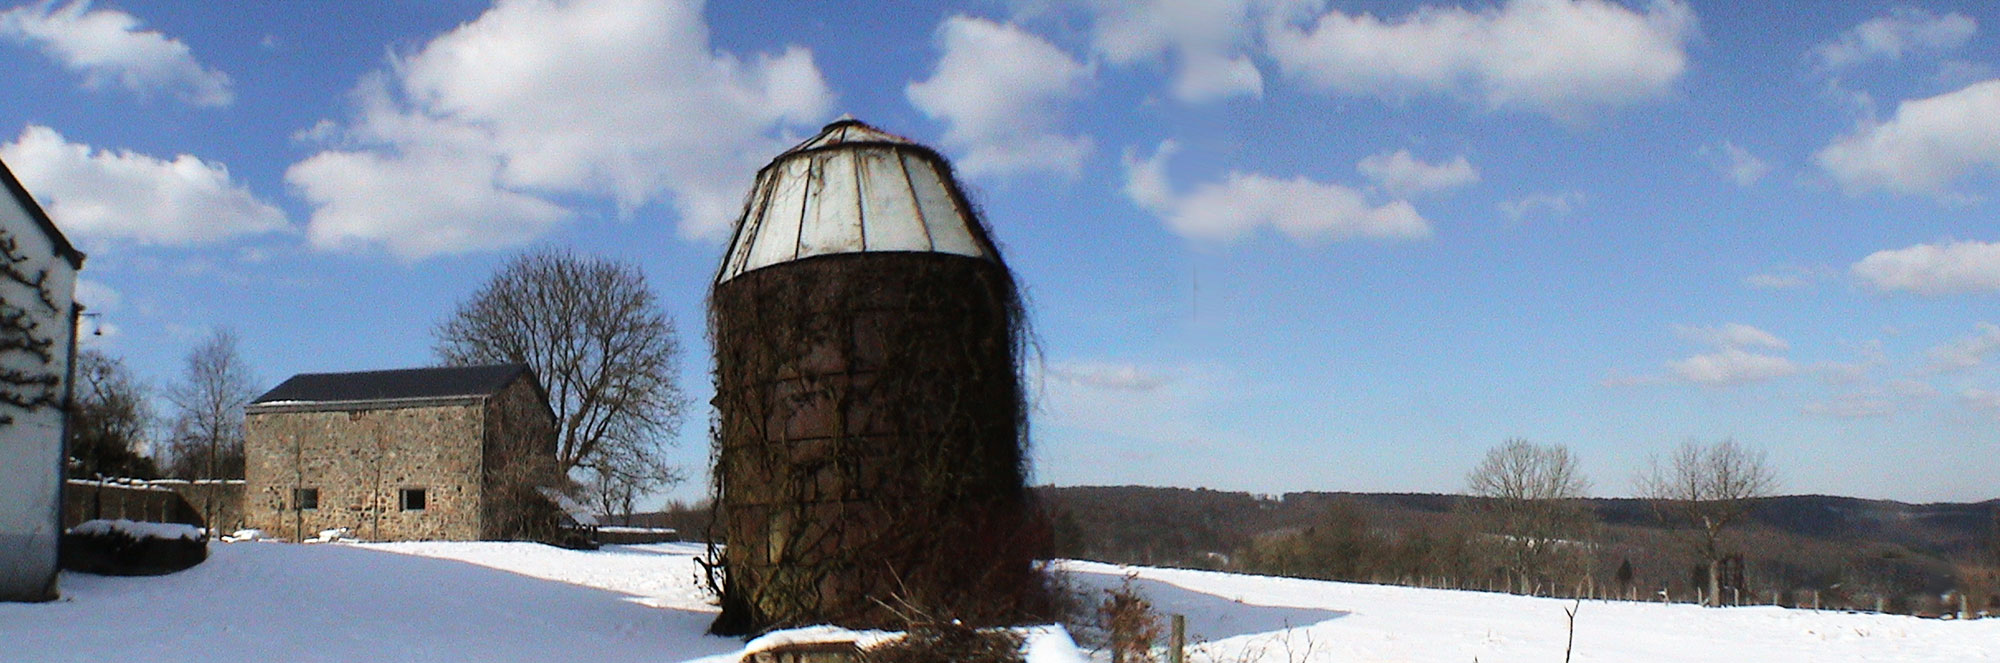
{"type": "Point", "coordinates": [948, 642]}
{"type": "Point", "coordinates": [1130, 623]}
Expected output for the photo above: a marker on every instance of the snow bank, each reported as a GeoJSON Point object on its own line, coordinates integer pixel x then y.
{"type": "Point", "coordinates": [137, 529]}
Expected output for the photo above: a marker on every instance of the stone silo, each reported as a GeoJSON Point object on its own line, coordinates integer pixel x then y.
{"type": "Point", "coordinates": [870, 450]}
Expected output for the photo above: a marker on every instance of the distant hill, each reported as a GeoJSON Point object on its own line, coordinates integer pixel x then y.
{"type": "Point", "coordinates": [1829, 548]}
{"type": "Point", "coordinates": [1798, 541]}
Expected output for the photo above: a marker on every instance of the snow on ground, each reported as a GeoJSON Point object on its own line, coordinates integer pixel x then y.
{"type": "Point", "coordinates": [1248, 619]}
{"type": "Point", "coordinates": [527, 602]}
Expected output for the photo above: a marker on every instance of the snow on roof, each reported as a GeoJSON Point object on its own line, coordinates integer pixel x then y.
{"type": "Point", "coordinates": [852, 189]}
{"type": "Point", "coordinates": [577, 512]}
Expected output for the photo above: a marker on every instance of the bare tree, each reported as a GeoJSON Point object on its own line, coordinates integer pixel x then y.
{"type": "Point", "coordinates": [597, 338]}
{"type": "Point", "coordinates": [1532, 496]}
{"type": "Point", "coordinates": [1705, 489]}
{"type": "Point", "coordinates": [110, 419]}
{"type": "Point", "coordinates": [206, 433]}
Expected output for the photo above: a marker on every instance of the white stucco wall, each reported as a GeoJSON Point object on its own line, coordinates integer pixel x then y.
{"type": "Point", "coordinates": [31, 446]}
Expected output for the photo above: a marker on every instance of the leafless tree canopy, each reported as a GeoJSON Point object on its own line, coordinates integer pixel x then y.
{"type": "Point", "coordinates": [108, 426]}
{"type": "Point", "coordinates": [207, 429]}
{"type": "Point", "coordinates": [1530, 493]}
{"type": "Point", "coordinates": [603, 348]}
{"type": "Point", "coordinates": [1705, 489]}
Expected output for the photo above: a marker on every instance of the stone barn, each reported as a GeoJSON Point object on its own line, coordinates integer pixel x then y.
{"type": "Point", "coordinates": [414, 454]}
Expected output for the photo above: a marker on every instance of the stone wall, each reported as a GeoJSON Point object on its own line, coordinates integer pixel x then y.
{"type": "Point", "coordinates": [85, 499]}
{"type": "Point", "coordinates": [216, 500]}
{"type": "Point", "coordinates": [360, 459]}
{"type": "Point", "coordinates": [520, 454]}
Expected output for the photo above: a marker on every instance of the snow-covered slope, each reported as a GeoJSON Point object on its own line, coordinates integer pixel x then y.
{"type": "Point", "coordinates": [525, 602]}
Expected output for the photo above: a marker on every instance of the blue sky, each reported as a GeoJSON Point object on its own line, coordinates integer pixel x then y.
{"type": "Point", "coordinates": [1269, 245]}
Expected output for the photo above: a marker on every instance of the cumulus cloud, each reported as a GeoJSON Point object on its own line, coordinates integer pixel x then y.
{"type": "Point", "coordinates": [1542, 204]}
{"type": "Point", "coordinates": [1905, 31]}
{"type": "Point", "coordinates": [1737, 163]}
{"type": "Point", "coordinates": [1927, 146]}
{"type": "Point", "coordinates": [1302, 209]}
{"type": "Point", "coordinates": [1208, 42]}
{"type": "Point", "coordinates": [1965, 352]}
{"type": "Point", "coordinates": [1732, 335]}
{"type": "Point", "coordinates": [470, 142]}
{"type": "Point", "coordinates": [1731, 366]}
{"type": "Point", "coordinates": [1934, 269]}
{"type": "Point", "coordinates": [107, 48]}
{"type": "Point", "coordinates": [1562, 58]}
{"type": "Point", "coordinates": [1403, 175]}
{"type": "Point", "coordinates": [123, 195]}
{"type": "Point", "coordinates": [1734, 359]}
{"type": "Point", "coordinates": [1001, 92]}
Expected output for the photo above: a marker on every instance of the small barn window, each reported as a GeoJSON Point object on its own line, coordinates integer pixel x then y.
{"type": "Point", "coordinates": [305, 498]}
{"type": "Point", "coordinates": [413, 499]}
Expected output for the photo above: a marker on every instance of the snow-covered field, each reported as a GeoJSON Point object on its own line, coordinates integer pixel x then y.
{"type": "Point", "coordinates": [526, 602]}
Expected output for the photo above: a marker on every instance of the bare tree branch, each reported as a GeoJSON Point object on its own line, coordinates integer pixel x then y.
{"type": "Point", "coordinates": [1706, 489]}
{"type": "Point", "coordinates": [1532, 494]}
{"type": "Point", "coordinates": [605, 351]}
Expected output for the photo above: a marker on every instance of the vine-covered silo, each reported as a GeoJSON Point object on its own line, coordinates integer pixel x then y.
{"type": "Point", "coordinates": [870, 454]}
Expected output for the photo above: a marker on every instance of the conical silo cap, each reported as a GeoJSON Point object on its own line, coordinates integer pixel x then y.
{"type": "Point", "coordinates": [853, 189]}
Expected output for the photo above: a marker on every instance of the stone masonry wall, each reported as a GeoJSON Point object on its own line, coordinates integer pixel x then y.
{"type": "Point", "coordinates": [360, 459]}
{"type": "Point", "coordinates": [520, 455]}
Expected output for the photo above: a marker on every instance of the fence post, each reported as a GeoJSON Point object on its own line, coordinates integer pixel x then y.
{"type": "Point", "coordinates": [1177, 642]}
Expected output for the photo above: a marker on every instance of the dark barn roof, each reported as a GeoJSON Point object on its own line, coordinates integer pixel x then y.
{"type": "Point", "coordinates": [402, 384]}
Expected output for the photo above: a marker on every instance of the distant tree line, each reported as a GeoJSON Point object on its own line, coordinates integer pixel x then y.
{"type": "Point", "coordinates": [1526, 525]}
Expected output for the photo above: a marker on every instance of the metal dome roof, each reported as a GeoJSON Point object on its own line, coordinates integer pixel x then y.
{"type": "Point", "coordinates": [853, 189]}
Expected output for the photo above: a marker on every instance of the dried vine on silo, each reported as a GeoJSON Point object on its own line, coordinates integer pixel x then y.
{"type": "Point", "coordinates": [872, 442]}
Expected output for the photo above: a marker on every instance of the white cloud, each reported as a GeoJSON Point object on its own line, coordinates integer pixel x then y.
{"type": "Point", "coordinates": [1730, 366]}
{"type": "Point", "coordinates": [1208, 41]}
{"type": "Point", "coordinates": [425, 201]}
{"type": "Point", "coordinates": [1542, 204]}
{"type": "Point", "coordinates": [1732, 335]}
{"type": "Point", "coordinates": [1732, 362]}
{"type": "Point", "coordinates": [1905, 31]}
{"type": "Point", "coordinates": [1737, 163]}
{"type": "Point", "coordinates": [1789, 277]}
{"type": "Point", "coordinates": [1403, 175]}
{"type": "Point", "coordinates": [1880, 400]}
{"type": "Point", "coordinates": [1967, 352]}
{"type": "Point", "coordinates": [1300, 208]}
{"type": "Point", "coordinates": [1854, 405]}
{"type": "Point", "coordinates": [99, 194]}
{"type": "Point", "coordinates": [1001, 92]}
{"type": "Point", "coordinates": [1925, 148]}
{"type": "Point", "coordinates": [1934, 269]}
{"type": "Point", "coordinates": [1110, 375]}
{"type": "Point", "coordinates": [1562, 58]}
{"type": "Point", "coordinates": [96, 296]}
{"type": "Point", "coordinates": [467, 143]}
{"type": "Point", "coordinates": [1981, 399]}
{"type": "Point", "coordinates": [107, 47]}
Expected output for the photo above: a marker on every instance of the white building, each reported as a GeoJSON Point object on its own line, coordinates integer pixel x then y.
{"type": "Point", "coordinates": [37, 345]}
